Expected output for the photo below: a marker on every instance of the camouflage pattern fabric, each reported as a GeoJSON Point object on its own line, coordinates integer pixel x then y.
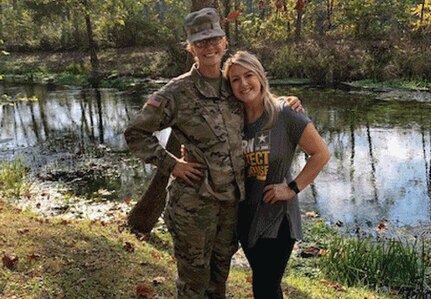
{"type": "Point", "coordinates": [203, 231]}
{"type": "Point", "coordinates": [208, 125]}
{"type": "Point", "coordinates": [202, 217]}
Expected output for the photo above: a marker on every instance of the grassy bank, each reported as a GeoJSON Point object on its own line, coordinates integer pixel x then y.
{"type": "Point", "coordinates": [329, 62]}
{"type": "Point", "coordinates": [64, 257]}
{"type": "Point", "coordinates": [121, 68]}
{"type": "Point", "coordinates": [54, 258]}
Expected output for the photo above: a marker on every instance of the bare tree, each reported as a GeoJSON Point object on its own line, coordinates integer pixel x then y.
{"type": "Point", "coordinates": [227, 8]}
{"type": "Point", "coordinates": [91, 43]}
{"type": "Point", "coordinates": [299, 7]}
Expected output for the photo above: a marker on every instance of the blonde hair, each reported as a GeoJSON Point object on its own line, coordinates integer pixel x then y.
{"type": "Point", "coordinates": [250, 62]}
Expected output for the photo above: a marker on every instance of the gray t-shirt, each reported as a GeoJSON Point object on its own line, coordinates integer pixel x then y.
{"type": "Point", "coordinates": [268, 155]}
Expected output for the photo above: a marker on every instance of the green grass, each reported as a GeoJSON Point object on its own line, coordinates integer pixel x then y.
{"type": "Point", "coordinates": [84, 259]}
{"type": "Point", "coordinates": [92, 259]}
{"type": "Point", "coordinates": [78, 259]}
{"type": "Point", "coordinates": [13, 182]}
{"type": "Point", "coordinates": [424, 85]}
{"type": "Point", "coordinates": [393, 264]}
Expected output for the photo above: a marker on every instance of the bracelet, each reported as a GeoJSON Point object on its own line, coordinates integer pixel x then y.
{"type": "Point", "coordinates": [294, 186]}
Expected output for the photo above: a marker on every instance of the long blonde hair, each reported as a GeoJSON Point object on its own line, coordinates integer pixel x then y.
{"type": "Point", "coordinates": [250, 62]}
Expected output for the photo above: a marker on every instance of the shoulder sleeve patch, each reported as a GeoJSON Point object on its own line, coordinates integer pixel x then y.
{"type": "Point", "coordinates": [154, 101]}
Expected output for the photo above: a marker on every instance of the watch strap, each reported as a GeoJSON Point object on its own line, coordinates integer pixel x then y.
{"type": "Point", "coordinates": [294, 186]}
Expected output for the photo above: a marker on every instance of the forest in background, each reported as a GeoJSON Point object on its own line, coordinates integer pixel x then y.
{"type": "Point", "coordinates": [326, 41]}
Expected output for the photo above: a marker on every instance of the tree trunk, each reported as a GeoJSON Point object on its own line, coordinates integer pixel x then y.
{"type": "Point", "coordinates": [236, 33]}
{"type": "Point", "coordinates": [299, 7]}
{"type": "Point", "coordinates": [329, 12]}
{"type": "Point", "coordinates": [298, 26]}
{"type": "Point", "coordinates": [422, 13]}
{"type": "Point", "coordinates": [1, 22]}
{"type": "Point", "coordinates": [147, 211]}
{"type": "Point", "coordinates": [91, 45]}
{"type": "Point", "coordinates": [226, 4]}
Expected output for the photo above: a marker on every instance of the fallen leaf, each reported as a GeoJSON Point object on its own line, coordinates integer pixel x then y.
{"type": "Point", "coordinates": [156, 255]}
{"type": "Point", "coordinates": [144, 291]}
{"type": "Point", "coordinates": [65, 221]}
{"type": "Point", "coordinates": [10, 261]}
{"type": "Point", "coordinates": [324, 281]}
{"type": "Point", "coordinates": [322, 252]}
{"type": "Point", "coordinates": [310, 252]}
{"type": "Point", "coordinates": [381, 226]}
{"type": "Point", "coordinates": [129, 247]}
{"type": "Point", "coordinates": [338, 287]}
{"type": "Point", "coordinates": [159, 280]}
{"type": "Point", "coordinates": [311, 214]}
{"type": "Point", "coordinates": [127, 200]}
{"type": "Point", "coordinates": [23, 231]}
{"type": "Point", "coordinates": [122, 227]}
{"type": "Point", "coordinates": [33, 257]}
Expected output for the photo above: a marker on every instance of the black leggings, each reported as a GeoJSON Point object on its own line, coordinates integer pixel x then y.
{"type": "Point", "coordinates": [268, 260]}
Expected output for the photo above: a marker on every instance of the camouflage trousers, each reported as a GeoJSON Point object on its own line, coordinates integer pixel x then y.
{"type": "Point", "coordinates": [204, 237]}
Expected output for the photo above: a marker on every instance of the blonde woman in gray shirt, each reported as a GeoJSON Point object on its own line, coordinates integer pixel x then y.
{"type": "Point", "coordinates": [269, 217]}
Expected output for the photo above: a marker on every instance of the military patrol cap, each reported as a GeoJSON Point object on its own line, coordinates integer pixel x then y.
{"type": "Point", "coordinates": [203, 24]}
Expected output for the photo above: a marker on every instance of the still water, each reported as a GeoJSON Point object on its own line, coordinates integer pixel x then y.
{"type": "Point", "coordinates": [381, 149]}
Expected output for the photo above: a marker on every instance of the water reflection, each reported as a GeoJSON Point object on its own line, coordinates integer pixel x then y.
{"type": "Point", "coordinates": [381, 153]}
{"type": "Point", "coordinates": [94, 115]}
{"type": "Point", "coordinates": [380, 169]}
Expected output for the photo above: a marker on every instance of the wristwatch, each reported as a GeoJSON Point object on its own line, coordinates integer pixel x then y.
{"type": "Point", "coordinates": [292, 185]}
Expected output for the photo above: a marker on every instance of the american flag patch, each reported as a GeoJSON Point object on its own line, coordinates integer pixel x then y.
{"type": "Point", "coordinates": [154, 101]}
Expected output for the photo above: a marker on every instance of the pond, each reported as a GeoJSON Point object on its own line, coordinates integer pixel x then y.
{"type": "Point", "coordinates": [379, 171]}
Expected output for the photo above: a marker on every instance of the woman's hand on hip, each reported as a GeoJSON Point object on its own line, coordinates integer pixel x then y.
{"type": "Point", "coordinates": [276, 192]}
{"type": "Point", "coordinates": [188, 171]}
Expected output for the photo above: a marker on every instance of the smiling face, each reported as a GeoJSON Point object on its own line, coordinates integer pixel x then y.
{"type": "Point", "coordinates": [245, 85]}
{"type": "Point", "coordinates": [209, 53]}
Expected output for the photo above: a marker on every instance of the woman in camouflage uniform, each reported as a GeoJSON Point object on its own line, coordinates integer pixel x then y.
{"type": "Point", "coordinates": [205, 117]}
{"type": "Point", "coordinates": [203, 198]}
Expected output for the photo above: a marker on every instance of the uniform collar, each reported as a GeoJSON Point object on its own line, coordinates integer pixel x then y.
{"type": "Point", "coordinates": [206, 89]}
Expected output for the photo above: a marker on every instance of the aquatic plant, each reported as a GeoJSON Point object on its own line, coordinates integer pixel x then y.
{"type": "Point", "coordinates": [399, 266]}
{"type": "Point", "coordinates": [8, 100]}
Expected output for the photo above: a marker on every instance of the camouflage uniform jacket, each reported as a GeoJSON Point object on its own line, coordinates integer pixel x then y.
{"type": "Point", "coordinates": [208, 122]}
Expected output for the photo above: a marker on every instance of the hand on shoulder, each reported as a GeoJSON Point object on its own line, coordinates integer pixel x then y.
{"type": "Point", "coordinates": [294, 103]}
